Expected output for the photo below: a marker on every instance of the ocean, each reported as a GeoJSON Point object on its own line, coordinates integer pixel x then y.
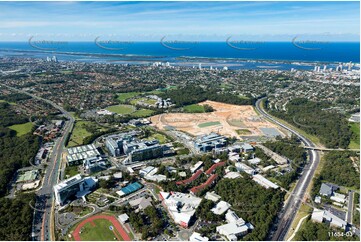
{"type": "Point", "coordinates": [234, 55]}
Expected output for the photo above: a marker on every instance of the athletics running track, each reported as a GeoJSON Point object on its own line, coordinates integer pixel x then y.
{"type": "Point", "coordinates": [112, 219]}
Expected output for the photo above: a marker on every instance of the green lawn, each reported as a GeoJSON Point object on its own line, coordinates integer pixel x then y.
{"type": "Point", "coordinates": [162, 138]}
{"type": "Point", "coordinates": [355, 141]}
{"type": "Point", "coordinates": [155, 92]}
{"type": "Point", "coordinates": [79, 132]}
{"type": "Point", "coordinates": [122, 97]}
{"type": "Point", "coordinates": [194, 108]}
{"type": "Point", "coordinates": [207, 124]}
{"type": "Point", "coordinates": [99, 232]}
{"type": "Point", "coordinates": [144, 100]}
{"type": "Point", "coordinates": [142, 113]}
{"type": "Point", "coordinates": [22, 129]}
{"type": "Point", "coordinates": [243, 132]}
{"type": "Point", "coordinates": [71, 171]}
{"type": "Point", "coordinates": [121, 109]}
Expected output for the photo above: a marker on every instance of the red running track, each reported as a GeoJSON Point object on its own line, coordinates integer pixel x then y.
{"type": "Point", "coordinates": [113, 220]}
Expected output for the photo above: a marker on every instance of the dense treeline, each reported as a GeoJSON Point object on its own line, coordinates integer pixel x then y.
{"type": "Point", "coordinates": [8, 117]}
{"type": "Point", "coordinates": [339, 169]}
{"type": "Point", "coordinates": [14, 97]}
{"type": "Point", "coordinates": [149, 223]}
{"type": "Point", "coordinates": [15, 151]}
{"type": "Point", "coordinates": [251, 202]}
{"type": "Point", "coordinates": [290, 148]}
{"type": "Point", "coordinates": [204, 211]}
{"type": "Point", "coordinates": [194, 94]}
{"type": "Point", "coordinates": [16, 217]}
{"type": "Point", "coordinates": [331, 127]}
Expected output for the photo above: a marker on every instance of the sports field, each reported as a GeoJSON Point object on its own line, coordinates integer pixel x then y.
{"type": "Point", "coordinates": [22, 129]}
{"type": "Point", "coordinates": [100, 228]}
{"type": "Point", "coordinates": [121, 109]}
{"type": "Point", "coordinates": [207, 124]}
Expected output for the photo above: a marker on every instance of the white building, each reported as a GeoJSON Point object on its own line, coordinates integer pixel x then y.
{"type": "Point", "coordinates": [243, 167]}
{"type": "Point", "coordinates": [148, 170]}
{"type": "Point", "coordinates": [123, 218]}
{"type": "Point", "coordinates": [320, 216]}
{"type": "Point", "coordinates": [197, 237]}
{"type": "Point", "coordinates": [180, 206]}
{"type": "Point", "coordinates": [254, 161]}
{"type": "Point", "coordinates": [264, 182]}
{"type": "Point", "coordinates": [235, 227]}
{"type": "Point", "coordinates": [212, 196]}
{"type": "Point", "coordinates": [197, 166]}
{"type": "Point", "coordinates": [75, 185]}
{"type": "Point", "coordinates": [221, 208]}
{"type": "Point", "coordinates": [338, 197]}
{"type": "Point", "coordinates": [232, 175]}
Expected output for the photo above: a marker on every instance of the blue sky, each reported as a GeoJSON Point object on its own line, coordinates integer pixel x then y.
{"type": "Point", "coordinates": [179, 20]}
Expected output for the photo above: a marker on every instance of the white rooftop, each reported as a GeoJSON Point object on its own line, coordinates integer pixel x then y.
{"type": "Point", "coordinates": [197, 237]}
{"type": "Point", "coordinates": [221, 207]}
{"type": "Point", "coordinates": [68, 182]}
{"type": "Point", "coordinates": [264, 182]}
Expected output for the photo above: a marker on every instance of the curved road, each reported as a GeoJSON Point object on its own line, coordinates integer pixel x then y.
{"type": "Point", "coordinates": [293, 204]}
{"type": "Point", "coordinates": [43, 224]}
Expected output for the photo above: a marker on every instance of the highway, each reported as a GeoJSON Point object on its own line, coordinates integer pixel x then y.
{"type": "Point", "coordinates": [293, 204]}
{"type": "Point", "coordinates": [43, 212]}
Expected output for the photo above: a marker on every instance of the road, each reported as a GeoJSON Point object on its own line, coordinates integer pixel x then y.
{"type": "Point", "coordinates": [293, 204]}
{"type": "Point", "coordinates": [329, 149]}
{"type": "Point", "coordinates": [349, 213]}
{"type": "Point", "coordinates": [42, 228]}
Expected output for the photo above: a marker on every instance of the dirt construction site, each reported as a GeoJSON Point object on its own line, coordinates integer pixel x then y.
{"type": "Point", "coordinates": [227, 119]}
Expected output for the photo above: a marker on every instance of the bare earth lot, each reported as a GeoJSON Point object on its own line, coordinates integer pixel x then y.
{"type": "Point", "coordinates": [226, 120]}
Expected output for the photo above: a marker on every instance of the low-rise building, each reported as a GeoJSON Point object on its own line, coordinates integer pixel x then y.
{"type": "Point", "coordinates": [196, 166]}
{"type": "Point", "coordinates": [180, 206]}
{"type": "Point", "coordinates": [140, 203]}
{"type": "Point", "coordinates": [221, 208]}
{"type": "Point", "coordinates": [254, 161]}
{"type": "Point", "coordinates": [123, 218]}
{"type": "Point", "coordinates": [243, 167]}
{"type": "Point", "coordinates": [264, 182]}
{"type": "Point", "coordinates": [338, 197]}
{"type": "Point", "coordinates": [77, 154]}
{"type": "Point", "coordinates": [236, 227]}
{"type": "Point", "coordinates": [246, 148]}
{"type": "Point", "coordinates": [28, 176]}
{"type": "Point", "coordinates": [147, 170]}
{"type": "Point", "coordinates": [232, 175]}
{"type": "Point", "coordinates": [326, 190]}
{"type": "Point", "coordinates": [321, 216]}
{"type": "Point", "coordinates": [212, 196]}
{"type": "Point", "coordinates": [197, 237]}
